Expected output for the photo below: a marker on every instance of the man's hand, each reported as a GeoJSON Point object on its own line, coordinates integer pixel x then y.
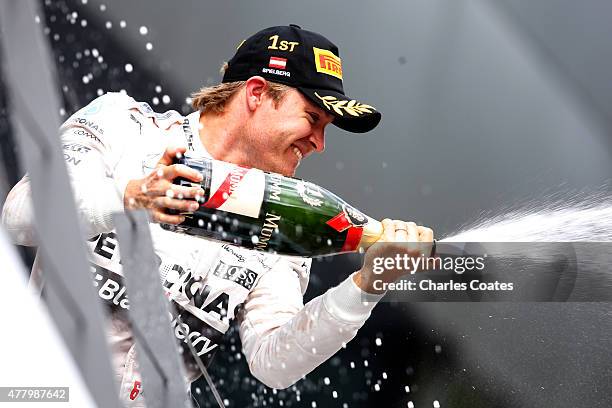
{"type": "Point", "coordinates": [157, 193]}
{"type": "Point", "coordinates": [399, 238]}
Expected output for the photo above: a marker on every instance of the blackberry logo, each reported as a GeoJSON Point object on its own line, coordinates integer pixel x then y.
{"type": "Point", "coordinates": [110, 287]}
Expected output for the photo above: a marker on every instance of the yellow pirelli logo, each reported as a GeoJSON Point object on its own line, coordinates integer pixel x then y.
{"type": "Point", "coordinates": [327, 62]}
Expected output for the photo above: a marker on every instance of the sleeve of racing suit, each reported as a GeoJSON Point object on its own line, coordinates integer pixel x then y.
{"type": "Point", "coordinates": [282, 339]}
{"type": "Point", "coordinates": [90, 155]}
{"type": "Point", "coordinates": [17, 214]}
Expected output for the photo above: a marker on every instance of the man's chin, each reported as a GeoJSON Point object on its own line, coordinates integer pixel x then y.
{"type": "Point", "coordinates": [287, 171]}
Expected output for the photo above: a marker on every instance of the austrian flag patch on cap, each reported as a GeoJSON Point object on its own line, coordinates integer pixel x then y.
{"type": "Point", "coordinates": [308, 62]}
{"type": "Point", "coordinates": [278, 63]}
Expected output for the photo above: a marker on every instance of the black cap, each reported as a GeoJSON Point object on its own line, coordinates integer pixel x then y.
{"type": "Point", "coordinates": [307, 61]}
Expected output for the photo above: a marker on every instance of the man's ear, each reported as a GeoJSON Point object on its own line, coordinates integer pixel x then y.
{"type": "Point", "coordinates": [256, 87]}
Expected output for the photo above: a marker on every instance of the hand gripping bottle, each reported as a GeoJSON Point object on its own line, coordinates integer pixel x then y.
{"type": "Point", "coordinates": [269, 212]}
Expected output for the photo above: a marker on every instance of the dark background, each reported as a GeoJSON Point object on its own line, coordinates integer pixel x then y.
{"type": "Point", "coordinates": [485, 104]}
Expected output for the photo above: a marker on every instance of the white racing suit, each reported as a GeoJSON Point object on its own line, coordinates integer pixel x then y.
{"type": "Point", "coordinates": [116, 139]}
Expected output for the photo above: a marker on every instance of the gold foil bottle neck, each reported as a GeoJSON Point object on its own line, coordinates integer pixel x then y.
{"type": "Point", "coordinates": [372, 232]}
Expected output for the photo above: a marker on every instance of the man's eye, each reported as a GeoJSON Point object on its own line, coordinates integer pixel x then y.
{"type": "Point", "coordinates": [314, 117]}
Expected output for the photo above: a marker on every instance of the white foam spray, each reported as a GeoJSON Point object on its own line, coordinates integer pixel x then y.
{"type": "Point", "coordinates": [564, 225]}
{"type": "Point", "coordinates": [559, 217]}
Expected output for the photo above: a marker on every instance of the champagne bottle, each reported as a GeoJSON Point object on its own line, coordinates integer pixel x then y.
{"type": "Point", "coordinates": [269, 212]}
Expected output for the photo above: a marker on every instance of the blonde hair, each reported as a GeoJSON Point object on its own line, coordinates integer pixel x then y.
{"type": "Point", "coordinates": [215, 98]}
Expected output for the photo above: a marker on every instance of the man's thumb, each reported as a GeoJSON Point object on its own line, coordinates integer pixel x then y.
{"type": "Point", "coordinates": [171, 154]}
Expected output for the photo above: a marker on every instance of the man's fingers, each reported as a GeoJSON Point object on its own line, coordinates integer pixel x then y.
{"type": "Point", "coordinates": [179, 170]}
{"type": "Point", "coordinates": [425, 234]}
{"type": "Point", "coordinates": [400, 231]}
{"type": "Point", "coordinates": [388, 230]}
{"type": "Point", "coordinates": [171, 154]}
{"type": "Point", "coordinates": [165, 189]}
{"type": "Point", "coordinates": [176, 204]}
{"type": "Point", "coordinates": [192, 192]}
{"type": "Point", "coordinates": [182, 192]}
{"type": "Point", "coordinates": [412, 232]}
{"type": "Point", "coordinates": [164, 218]}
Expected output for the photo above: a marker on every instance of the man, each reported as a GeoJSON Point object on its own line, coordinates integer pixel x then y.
{"type": "Point", "coordinates": [279, 92]}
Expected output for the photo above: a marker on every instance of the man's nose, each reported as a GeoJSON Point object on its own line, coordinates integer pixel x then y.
{"type": "Point", "coordinates": [318, 140]}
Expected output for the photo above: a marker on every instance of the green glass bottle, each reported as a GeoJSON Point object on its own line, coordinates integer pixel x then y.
{"type": "Point", "coordinates": [269, 212]}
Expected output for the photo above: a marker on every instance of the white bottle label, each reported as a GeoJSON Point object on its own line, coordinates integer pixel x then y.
{"type": "Point", "coordinates": [236, 189]}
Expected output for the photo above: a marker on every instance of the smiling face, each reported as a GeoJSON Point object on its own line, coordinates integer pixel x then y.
{"type": "Point", "coordinates": [281, 134]}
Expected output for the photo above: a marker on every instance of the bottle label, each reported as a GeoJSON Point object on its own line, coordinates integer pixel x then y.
{"type": "Point", "coordinates": [348, 218]}
{"type": "Point", "coordinates": [355, 217]}
{"type": "Point", "coordinates": [236, 189]}
{"type": "Point", "coordinates": [352, 221]}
